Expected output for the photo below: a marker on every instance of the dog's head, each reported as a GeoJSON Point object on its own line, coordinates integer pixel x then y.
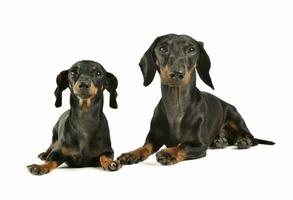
{"type": "Point", "coordinates": [176, 57]}
{"type": "Point", "coordinates": [86, 79]}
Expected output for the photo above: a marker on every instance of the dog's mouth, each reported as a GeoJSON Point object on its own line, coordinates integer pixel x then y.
{"type": "Point", "coordinates": [174, 85]}
{"type": "Point", "coordinates": [171, 83]}
{"type": "Point", "coordinates": [83, 94]}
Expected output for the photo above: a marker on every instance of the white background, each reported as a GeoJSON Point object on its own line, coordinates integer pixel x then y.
{"type": "Point", "coordinates": [250, 46]}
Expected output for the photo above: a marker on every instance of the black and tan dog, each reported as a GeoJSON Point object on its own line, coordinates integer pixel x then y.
{"type": "Point", "coordinates": [186, 120]}
{"type": "Point", "coordinates": [81, 136]}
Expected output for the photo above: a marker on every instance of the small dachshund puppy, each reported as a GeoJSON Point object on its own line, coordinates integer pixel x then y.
{"type": "Point", "coordinates": [186, 120]}
{"type": "Point", "coordinates": [81, 136]}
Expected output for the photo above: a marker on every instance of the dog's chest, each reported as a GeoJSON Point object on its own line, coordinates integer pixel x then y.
{"type": "Point", "coordinates": [175, 130]}
{"type": "Point", "coordinates": [77, 150]}
{"type": "Point", "coordinates": [83, 140]}
{"type": "Point", "coordinates": [83, 135]}
{"type": "Point", "coordinates": [79, 143]}
{"type": "Point", "coordinates": [175, 114]}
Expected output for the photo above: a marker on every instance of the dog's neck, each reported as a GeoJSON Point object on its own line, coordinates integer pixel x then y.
{"type": "Point", "coordinates": [90, 108]}
{"type": "Point", "coordinates": [177, 99]}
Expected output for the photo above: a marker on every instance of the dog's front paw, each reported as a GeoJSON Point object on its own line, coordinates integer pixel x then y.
{"type": "Point", "coordinates": [113, 166]}
{"type": "Point", "coordinates": [130, 158]}
{"type": "Point", "coordinates": [220, 143]}
{"type": "Point", "coordinates": [244, 143]}
{"type": "Point", "coordinates": [38, 169]}
{"type": "Point", "coordinates": [165, 158]}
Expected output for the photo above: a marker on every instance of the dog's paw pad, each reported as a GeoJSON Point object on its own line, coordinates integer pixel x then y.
{"type": "Point", "coordinates": [244, 143]}
{"type": "Point", "coordinates": [114, 165]}
{"type": "Point", "coordinates": [165, 158]}
{"type": "Point", "coordinates": [37, 169]}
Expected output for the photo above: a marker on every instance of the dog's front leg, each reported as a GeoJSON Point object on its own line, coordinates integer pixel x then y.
{"type": "Point", "coordinates": [44, 155]}
{"type": "Point", "coordinates": [137, 155]}
{"type": "Point", "coordinates": [54, 159]}
{"type": "Point", "coordinates": [152, 144]}
{"type": "Point", "coordinates": [192, 146]}
{"type": "Point", "coordinates": [43, 168]}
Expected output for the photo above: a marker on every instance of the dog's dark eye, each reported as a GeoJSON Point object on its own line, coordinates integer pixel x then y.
{"type": "Point", "coordinates": [73, 73]}
{"type": "Point", "coordinates": [163, 49]}
{"type": "Point", "coordinates": [98, 74]}
{"type": "Point", "coordinates": [191, 49]}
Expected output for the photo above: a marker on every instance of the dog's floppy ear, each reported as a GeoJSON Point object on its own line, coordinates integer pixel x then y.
{"type": "Point", "coordinates": [62, 84]}
{"type": "Point", "coordinates": [111, 86]}
{"type": "Point", "coordinates": [148, 64]}
{"type": "Point", "coordinates": [203, 66]}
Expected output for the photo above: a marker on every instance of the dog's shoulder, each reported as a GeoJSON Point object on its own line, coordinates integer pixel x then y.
{"type": "Point", "coordinates": [61, 121]}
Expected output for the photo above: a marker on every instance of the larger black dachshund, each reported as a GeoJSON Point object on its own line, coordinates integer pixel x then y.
{"type": "Point", "coordinates": [81, 136]}
{"type": "Point", "coordinates": [186, 120]}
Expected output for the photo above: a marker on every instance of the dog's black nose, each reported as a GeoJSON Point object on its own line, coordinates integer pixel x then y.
{"type": "Point", "coordinates": [176, 75]}
{"type": "Point", "coordinates": [84, 84]}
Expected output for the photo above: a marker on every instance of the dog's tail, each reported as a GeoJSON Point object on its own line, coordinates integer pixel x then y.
{"type": "Point", "coordinates": [260, 141]}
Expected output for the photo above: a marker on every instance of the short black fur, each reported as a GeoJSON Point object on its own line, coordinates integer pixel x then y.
{"type": "Point", "coordinates": [186, 120]}
{"type": "Point", "coordinates": [81, 135]}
